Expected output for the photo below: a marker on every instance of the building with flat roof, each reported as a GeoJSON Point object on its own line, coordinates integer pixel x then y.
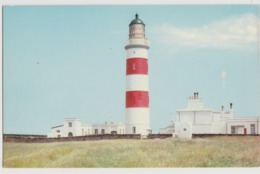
{"type": "Point", "coordinates": [74, 127]}
{"type": "Point", "coordinates": [206, 121]}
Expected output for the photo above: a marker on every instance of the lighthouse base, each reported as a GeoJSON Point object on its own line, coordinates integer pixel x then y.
{"type": "Point", "coordinates": [137, 121]}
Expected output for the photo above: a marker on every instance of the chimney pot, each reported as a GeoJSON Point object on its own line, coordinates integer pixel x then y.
{"type": "Point", "coordinates": [231, 105]}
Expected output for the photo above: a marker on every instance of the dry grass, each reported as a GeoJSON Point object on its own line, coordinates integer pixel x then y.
{"type": "Point", "coordinates": [198, 152]}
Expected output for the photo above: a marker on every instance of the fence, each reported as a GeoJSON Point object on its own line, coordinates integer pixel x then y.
{"type": "Point", "coordinates": [44, 139]}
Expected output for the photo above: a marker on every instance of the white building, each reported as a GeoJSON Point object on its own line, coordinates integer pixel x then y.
{"type": "Point", "coordinates": [206, 121]}
{"type": "Point", "coordinates": [74, 127]}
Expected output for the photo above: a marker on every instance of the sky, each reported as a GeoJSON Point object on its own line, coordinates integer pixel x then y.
{"type": "Point", "coordinates": [69, 62]}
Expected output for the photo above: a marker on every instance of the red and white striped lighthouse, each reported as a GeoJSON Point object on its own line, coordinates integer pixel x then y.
{"type": "Point", "coordinates": [137, 89]}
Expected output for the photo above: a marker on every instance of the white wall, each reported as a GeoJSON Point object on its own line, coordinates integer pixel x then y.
{"type": "Point", "coordinates": [137, 82]}
{"type": "Point", "coordinates": [109, 127]}
{"type": "Point", "coordinates": [205, 121]}
{"type": "Point", "coordinates": [241, 123]}
{"type": "Point", "coordinates": [137, 52]}
{"type": "Point", "coordinates": [87, 128]}
{"type": "Point", "coordinates": [75, 129]}
{"type": "Point", "coordinates": [79, 129]}
{"type": "Point", "coordinates": [187, 116]}
{"type": "Point", "coordinates": [201, 120]}
{"type": "Point", "coordinates": [203, 117]}
{"type": "Point", "coordinates": [195, 104]}
{"type": "Point", "coordinates": [55, 132]}
{"type": "Point", "coordinates": [202, 129]}
{"type": "Point", "coordinates": [185, 130]}
{"type": "Point", "coordinates": [138, 118]}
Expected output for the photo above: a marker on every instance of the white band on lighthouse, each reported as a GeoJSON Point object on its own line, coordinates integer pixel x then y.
{"type": "Point", "coordinates": [137, 52]}
{"type": "Point", "coordinates": [138, 118]}
{"type": "Point", "coordinates": [137, 82]}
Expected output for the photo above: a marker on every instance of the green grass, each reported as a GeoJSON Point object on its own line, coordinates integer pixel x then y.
{"type": "Point", "coordinates": [198, 152]}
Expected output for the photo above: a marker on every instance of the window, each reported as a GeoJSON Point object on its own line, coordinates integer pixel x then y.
{"type": "Point", "coordinates": [103, 131]}
{"type": "Point", "coordinates": [70, 134]}
{"type": "Point", "coordinates": [233, 129]}
{"type": "Point", "coordinates": [134, 66]}
{"type": "Point", "coordinates": [58, 136]}
{"type": "Point", "coordinates": [134, 130]}
{"type": "Point", "coordinates": [58, 131]}
{"type": "Point", "coordinates": [252, 127]}
{"type": "Point", "coordinates": [70, 124]}
{"type": "Point", "coordinates": [96, 131]}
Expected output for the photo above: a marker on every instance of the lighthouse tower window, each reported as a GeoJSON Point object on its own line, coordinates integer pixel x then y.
{"type": "Point", "coordinates": [70, 124]}
{"type": "Point", "coordinates": [134, 66]}
{"type": "Point", "coordinates": [134, 130]}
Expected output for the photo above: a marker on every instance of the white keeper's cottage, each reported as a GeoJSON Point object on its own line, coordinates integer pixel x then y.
{"type": "Point", "coordinates": [74, 127]}
{"type": "Point", "coordinates": [200, 120]}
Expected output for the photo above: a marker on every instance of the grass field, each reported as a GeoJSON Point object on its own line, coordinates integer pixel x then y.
{"type": "Point", "coordinates": [198, 152]}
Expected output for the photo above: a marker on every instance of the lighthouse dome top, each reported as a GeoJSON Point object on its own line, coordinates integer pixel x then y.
{"type": "Point", "coordinates": [136, 20]}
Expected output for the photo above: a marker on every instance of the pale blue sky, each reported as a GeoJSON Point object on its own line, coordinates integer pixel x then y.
{"type": "Point", "coordinates": [69, 61]}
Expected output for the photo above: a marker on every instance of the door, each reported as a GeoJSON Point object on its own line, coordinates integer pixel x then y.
{"type": "Point", "coordinates": [245, 131]}
{"type": "Point", "coordinates": [134, 130]}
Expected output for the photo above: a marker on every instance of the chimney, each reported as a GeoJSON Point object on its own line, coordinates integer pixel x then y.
{"type": "Point", "coordinates": [231, 106]}
{"type": "Point", "coordinates": [196, 95]}
{"type": "Point", "coordinates": [222, 108]}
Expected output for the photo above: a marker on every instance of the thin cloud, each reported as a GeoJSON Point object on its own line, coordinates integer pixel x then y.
{"type": "Point", "coordinates": [223, 78]}
{"type": "Point", "coordinates": [235, 32]}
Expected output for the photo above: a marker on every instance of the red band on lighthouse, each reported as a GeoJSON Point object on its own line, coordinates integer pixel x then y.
{"type": "Point", "coordinates": [137, 66]}
{"type": "Point", "coordinates": [137, 99]}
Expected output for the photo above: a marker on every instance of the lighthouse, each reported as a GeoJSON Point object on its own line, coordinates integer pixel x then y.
{"type": "Point", "coordinates": [137, 87]}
